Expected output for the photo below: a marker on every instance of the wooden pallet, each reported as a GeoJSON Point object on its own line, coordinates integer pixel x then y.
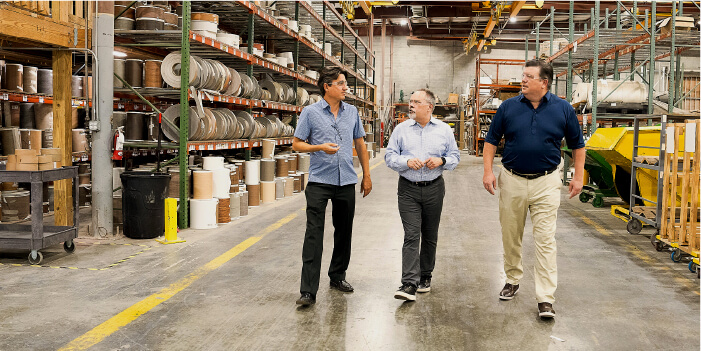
{"type": "Point", "coordinates": [680, 205]}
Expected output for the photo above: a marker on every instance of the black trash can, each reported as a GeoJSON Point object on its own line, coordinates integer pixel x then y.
{"type": "Point", "coordinates": [143, 204]}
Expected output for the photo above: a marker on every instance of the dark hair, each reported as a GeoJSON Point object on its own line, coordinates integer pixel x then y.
{"type": "Point", "coordinates": [430, 97]}
{"type": "Point", "coordinates": [327, 76]}
{"type": "Point", "coordinates": [546, 70]}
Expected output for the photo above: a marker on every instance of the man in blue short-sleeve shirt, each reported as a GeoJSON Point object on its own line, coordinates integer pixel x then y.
{"type": "Point", "coordinates": [328, 130]}
{"type": "Point", "coordinates": [532, 125]}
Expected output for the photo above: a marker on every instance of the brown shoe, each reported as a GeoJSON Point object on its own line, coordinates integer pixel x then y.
{"type": "Point", "coordinates": [545, 310]}
{"type": "Point", "coordinates": [508, 292]}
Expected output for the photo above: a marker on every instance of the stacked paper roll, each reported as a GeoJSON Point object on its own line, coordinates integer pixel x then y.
{"type": "Point", "coordinates": [268, 148]}
{"type": "Point", "coordinates": [289, 186]}
{"type": "Point", "coordinates": [292, 159]}
{"type": "Point", "coordinates": [235, 205]}
{"type": "Point", "coordinates": [282, 167]}
{"type": "Point", "coordinates": [253, 194]}
{"type": "Point", "coordinates": [174, 185]}
{"type": "Point", "coordinates": [371, 153]}
{"type": "Point", "coordinates": [367, 127]}
{"type": "Point", "coordinates": [303, 161]}
{"type": "Point", "coordinates": [224, 210]}
{"type": "Point", "coordinates": [279, 188]}
{"type": "Point", "coordinates": [211, 163]}
{"type": "Point", "coordinates": [267, 191]}
{"type": "Point", "coordinates": [252, 172]}
{"type": "Point", "coordinates": [244, 203]}
{"type": "Point", "coordinates": [298, 182]}
{"type": "Point", "coordinates": [203, 213]}
{"type": "Point", "coordinates": [221, 183]}
{"type": "Point", "coordinates": [267, 170]}
{"type": "Point", "coordinates": [202, 184]}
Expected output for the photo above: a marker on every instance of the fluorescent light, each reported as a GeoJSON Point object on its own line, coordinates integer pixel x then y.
{"type": "Point", "coordinates": [119, 54]}
{"type": "Point", "coordinates": [513, 19]}
{"type": "Point", "coordinates": [403, 22]}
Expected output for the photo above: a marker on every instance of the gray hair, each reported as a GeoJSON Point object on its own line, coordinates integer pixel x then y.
{"type": "Point", "coordinates": [430, 97]}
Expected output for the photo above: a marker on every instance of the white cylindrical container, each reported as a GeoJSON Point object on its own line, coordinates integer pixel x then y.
{"type": "Point", "coordinates": [279, 188]}
{"type": "Point", "coordinates": [203, 213]}
{"type": "Point", "coordinates": [303, 162]}
{"type": "Point", "coordinates": [211, 163]}
{"type": "Point", "coordinates": [221, 182]}
{"type": "Point", "coordinates": [235, 205]}
{"type": "Point", "coordinates": [267, 192]}
{"type": "Point", "coordinates": [252, 172]}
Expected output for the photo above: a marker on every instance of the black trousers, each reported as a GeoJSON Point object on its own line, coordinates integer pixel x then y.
{"type": "Point", "coordinates": [343, 210]}
{"type": "Point", "coordinates": [420, 209]}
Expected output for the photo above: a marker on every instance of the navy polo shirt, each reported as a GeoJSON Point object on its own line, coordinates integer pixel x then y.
{"type": "Point", "coordinates": [533, 136]}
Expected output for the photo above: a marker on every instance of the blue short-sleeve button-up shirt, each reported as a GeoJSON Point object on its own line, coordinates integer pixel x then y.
{"type": "Point", "coordinates": [316, 126]}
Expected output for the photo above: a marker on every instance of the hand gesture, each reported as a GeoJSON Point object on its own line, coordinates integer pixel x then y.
{"type": "Point", "coordinates": [489, 182]}
{"type": "Point", "coordinates": [415, 164]}
{"type": "Point", "coordinates": [433, 162]}
{"type": "Point", "coordinates": [329, 148]}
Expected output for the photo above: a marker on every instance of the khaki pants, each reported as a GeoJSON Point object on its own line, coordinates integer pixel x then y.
{"type": "Point", "coordinates": [540, 197]}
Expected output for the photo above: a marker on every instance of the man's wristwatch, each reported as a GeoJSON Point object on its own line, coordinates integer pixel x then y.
{"type": "Point", "coordinates": [443, 159]}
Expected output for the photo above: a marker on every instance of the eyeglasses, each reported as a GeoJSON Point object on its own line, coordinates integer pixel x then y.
{"type": "Point", "coordinates": [529, 77]}
{"type": "Point", "coordinates": [337, 132]}
{"type": "Point", "coordinates": [416, 102]}
{"type": "Point", "coordinates": [340, 83]}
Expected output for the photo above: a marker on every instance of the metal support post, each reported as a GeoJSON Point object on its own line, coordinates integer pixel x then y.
{"type": "Point", "coordinates": [526, 47]}
{"type": "Point", "coordinates": [537, 40]}
{"type": "Point", "coordinates": [323, 34]}
{"type": "Point", "coordinates": [183, 212]}
{"type": "Point", "coordinates": [595, 67]}
{"type": "Point", "coordinates": [672, 69]}
{"type": "Point", "coordinates": [570, 76]}
{"type": "Point", "coordinates": [651, 70]}
{"type": "Point", "coordinates": [293, 123]}
{"type": "Point", "coordinates": [343, 46]}
{"type": "Point", "coordinates": [249, 70]}
{"type": "Point", "coordinates": [552, 30]}
{"type": "Point", "coordinates": [616, 74]}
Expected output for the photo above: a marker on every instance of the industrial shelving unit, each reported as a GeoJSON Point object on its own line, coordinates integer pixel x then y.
{"type": "Point", "coordinates": [257, 23]}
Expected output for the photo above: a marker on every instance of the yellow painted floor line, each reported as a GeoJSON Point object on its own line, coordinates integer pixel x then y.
{"type": "Point", "coordinates": [130, 314]}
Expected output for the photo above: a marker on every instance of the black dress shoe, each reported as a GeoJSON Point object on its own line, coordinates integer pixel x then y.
{"type": "Point", "coordinates": [508, 292]}
{"type": "Point", "coordinates": [341, 285]}
{"type": "Point", "coordinates": [306, 299]}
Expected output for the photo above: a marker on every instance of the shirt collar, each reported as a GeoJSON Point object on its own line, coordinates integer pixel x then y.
{"type": "Point", "coordinates": [413, 121]}
{"type": "Point", "coordinates": [546, 97]}
{"type": "Point", "coordinates": [325, 106]}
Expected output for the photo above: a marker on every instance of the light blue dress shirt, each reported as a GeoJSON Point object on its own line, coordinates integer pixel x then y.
{"type": "Point", "coordinates": [410, 140]}
{"type": "Point", "coordinates": [316, 126]}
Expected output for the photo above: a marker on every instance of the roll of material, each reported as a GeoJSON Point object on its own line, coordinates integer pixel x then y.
{"type": "Point", "coordinates": [117, 180]}
{"type": "Point", "coordinates": [172, 76]}
{"type": "Point", "coordinates": [10, 140]}
{"type": "Point", "coordinates": [252, 172]}
{"type": "Point", "coordinates": [292, 160]}
{"type": "Point", "coordinates": [279, 188]}
{"type": "Point", "coordinates": [267, 191]}
{"type": "Point", "coordinates": [124, 23]}
{"type": "Point", "coordinates": [224, 210]}
{"type": "Point", "coordinates": [211, 163]}
{"type": "Point", "coordinates": [221, 183]}
{"type": "Point", "coordinates": [174, 186]}
{"type": "Point", "coordinates": [293, 25]}
{"type": "Point", "coordinates": [244, 203]}
{"type": "Point", "coordinates": [289, 186]}
{"type": "Point", "coordinates": [134, 72]}
{"type": "Point", "coordinates": [14, 77]}
{"type": "Point", "coordinates": [135, 126]}
{"type": "Point", "coordinates": [80, 140]}
{"type": "Point", "coordinates": [84, 179]}
{"type": "Point", "coordinates": [47, 138]}
{"type": "Point", "coordinates": [119, 119]}
{"type": "Point", "coordinates": [15, 205]}
{"type": "Point", "coordinates": [253, 195]}
{"type": "Point", "coordinates": [26, 115]}
{"type": "Point", "coordinates": [282, 167]}
{"type": "Point", "coordinates": [75, 114]}
{"type": "Point", "coordinates": [168, 26]}
{"type": "Point", "coordinates": [119, 69]}
{"type": "Point", "coordinates": [303, 162]}
{"type": "Point", "coordinates": [149, 24]}
{"type": "Point", "coordinates": [129, 13]}
{"type": "Point", "coordinates": [235, 205]}
{"type": "Point", "coordinates": [77, 86]}
{"type": "Point", "coordinates": [207, 26]}
{"type": "Point", "coordinates": [44, 116]}
{"type": "Point", "coordinates": [371, 154]}
{"type": "Point", "coordinates": [45, 81]}
{"type": "Point", "coordinates": [298, 182]}
{"type": "Point", "coordinates": [305, 180]}
{"type": "Point", "coordinates": [267, 170]}
{"type": "Point", "coordinates": [30, 139]}
{"type": "Point", "coordinates": [202, 184]}
{"type": "Point", "coordinates": [268, 148]}
{"type": "Point", "coordinates": [172, 114]}
{"type": "Point", "coordinates": [203, 213]}
{"type": "Point", "coordinates": [228, 39]}
{"type": "Point", "coordinates": [203, 16]}
{"type": "Point", "coordinates": [29, 79]}
{"type": "Point", "coordinates": [171, 18]}
{"type": "Point", "coordinates": [152, 74]}
{"type": "Point", "coordinates": [367, 127]}
{"type": "Point", "coordinates": [150, 12]}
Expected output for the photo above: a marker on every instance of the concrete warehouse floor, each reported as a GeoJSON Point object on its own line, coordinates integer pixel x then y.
{"type": "Point", "coordinates": [234, 288]}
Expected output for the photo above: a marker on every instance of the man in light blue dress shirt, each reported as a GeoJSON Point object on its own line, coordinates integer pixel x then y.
{"type": "Point", "coordinates": [328, 130]}
{"type": "Point", "coordinates": [420, 149]}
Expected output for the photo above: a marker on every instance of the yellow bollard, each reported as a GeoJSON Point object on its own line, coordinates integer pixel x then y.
{"type": "Point", "coordinates": [171, 223]}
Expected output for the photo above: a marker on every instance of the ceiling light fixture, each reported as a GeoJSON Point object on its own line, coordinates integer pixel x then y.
{"type": "Point", "coordinates": [512, 19]}
{"type": "Point", "coordinates": [119, 54]}
{"type": "Point", "coordinates": [403, 22]}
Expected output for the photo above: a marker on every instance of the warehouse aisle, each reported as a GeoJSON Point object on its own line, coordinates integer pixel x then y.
{"type": "Point", "coordinates": [234, 288]}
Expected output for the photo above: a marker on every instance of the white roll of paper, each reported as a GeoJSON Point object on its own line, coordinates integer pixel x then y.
{"type": "Point", "coordinates": [235, 205]}
{"type": "Point", "coordinates": [252, 172]}
{"type": "Point", "coordinates": [168, 71]}
{"type": "Point", "coordinates": [221, 183]}
{"type": "Point", "coordinates": [303, 162]}
{"type": "Point", "coordinates": [203, 213]}
{"type": "Point", "coordinates": [211, 163]}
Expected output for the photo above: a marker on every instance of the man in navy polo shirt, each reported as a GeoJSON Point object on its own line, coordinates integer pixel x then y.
{"type": "Point", "coordinates": [533, 125]}
{"type": "Point", "coordinates": [328, 130]}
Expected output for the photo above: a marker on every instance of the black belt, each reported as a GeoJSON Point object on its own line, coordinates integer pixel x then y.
{"type": "Point", "coordinates": [422, 184]}
{"type": "Point", "coordinates": [531, 175]}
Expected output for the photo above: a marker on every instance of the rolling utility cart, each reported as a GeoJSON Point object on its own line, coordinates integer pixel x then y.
{"type": "Point", "coordinates": [37, 236]}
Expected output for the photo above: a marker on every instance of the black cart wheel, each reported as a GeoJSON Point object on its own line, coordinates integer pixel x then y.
{"type": "Point", "coordinates": [634, 226]}
{"type": "Point", "coordinates": [676, 255]}
{"type": "Point", "coordinates": [584, 197]}
{"type": "Point", "coordinates": [598, 202]}
{"type": "Point", "coordinates": [659, 246]}
{"type": "Point", "coordinates": [35, 257]}
{"type": "Point", "coordinates": [69, 246]}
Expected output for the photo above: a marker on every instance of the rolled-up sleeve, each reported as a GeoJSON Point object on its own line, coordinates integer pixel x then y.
{"type": "Point", "coordinates": [393, 156]}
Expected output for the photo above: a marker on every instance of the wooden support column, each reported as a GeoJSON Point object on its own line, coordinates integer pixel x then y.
{"type": "Point", "coordinates": [63, 139]}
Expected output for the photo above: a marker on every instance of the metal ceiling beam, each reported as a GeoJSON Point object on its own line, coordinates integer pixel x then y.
{"type": "Point", "coordinates": [515, 8]}
{"type": "Point", "coordinates": [365, 5]}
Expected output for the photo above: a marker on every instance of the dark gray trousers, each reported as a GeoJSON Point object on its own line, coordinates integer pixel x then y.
{"type": "Point", "coordinates": [420, 209]}
{"type": "Point", "coordinates": [343, 210]}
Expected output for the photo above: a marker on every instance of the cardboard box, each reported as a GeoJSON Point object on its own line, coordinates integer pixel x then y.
{"type": "Point", "coordinates": [11, 164]}
{"type": "Point", "coordinates": [681, 23]}
{"type": "Point", "coordinates": [45, 158]}
{"type": "Point", "coordinates": [47, 166]}
{"type": "Point", "coordinates": [452, 98]}
{"type": "Point", "coordinates": [22, 159]}
{"type": "Point", "coordinates": [51, 151]}
{"type": "Point", "coordinates": [26, 152]}
{"type": "Point", "coordinates": [27, 166]}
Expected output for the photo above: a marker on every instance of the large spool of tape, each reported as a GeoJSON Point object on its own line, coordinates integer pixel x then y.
{"type": "Point", "coordinates": [134, 72]}
{"type": "Point", "coordinates": [29, 77]}
{"type": "Point", "coordinates": [172, 114]}
{"type": "Point", "coordinates": [304, 160]}
{"type": "Point", "coordinates": [45, 81]}
{"type": "Point", "coordinates": [47, 138]}
{"type": "Point", "coordinates": [152, 74]}
{"type": "Point", "coordinates": [120, 67]}
{"type": "Point", "coordinates": [203, 213]}
{"type": "Point", "coordinates": [80, 140]}
{"type": "Point", "coordinates": [228, 39]}
{"type": "Point", "coordinates": [252, 172]}
{"type": "Point", "coordinates": [289, 186]}
{"type": "Point", "coordinates": [174, 186]}
{"type": "Point", "coordinates": [235, 205]}
{"type": "Point", "coordinates": [134, 130]}
{"type": "Point", "coordinates": [224, 210]}
{"type": "Point", "coordinates": [13, 77]}
{"type": "Point", "coordinates": [279, 188]}
{"type": "Point", "coordinates": [267, 191]}
{"type": "Point", "coordinates": [202, 184]}
{"type": "Point", "coordinates": [26, 115]}
{"type": "Point", "coordinates": [129, 13]}
{"type": "Point", "coordinates": [150, 12]}
{"type": "Point", "coordinates": [124, 23]}
{"type": "Point", "coordinates": [292, 159]}
{"type": "Point", "coordinates": [77, 83]}
{"type": "Point", "coordinates": [149, 24]}
{"type": "Point", "coordinates": [268, 148]}
{"type": "Point", "coordinates": [221, 183]}
{"type": "Point", "coordinates": [244, 203]}
{"type": "Point", "coordinates": [234, 88]}
{"type": "Point", "coordinates": [172, 76]}
{"type": "Point", "coordinates": [267, 170]}
{"type": "Point", "coordinates": [211, 163]}
{"type": "Point", "coordinates": [253, 195]}
{"type": "Point", "coordinates": [282, 166]}
{"type": "Point", "coordinates": [10, 140]}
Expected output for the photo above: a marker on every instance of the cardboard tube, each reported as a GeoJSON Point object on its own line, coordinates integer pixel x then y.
{"type": "Point", "coordinates": [267, 191]}
{"type": "Point", "coordinates": [202, 184]}
{"type": "Point", "coordinates": [253, 195]}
